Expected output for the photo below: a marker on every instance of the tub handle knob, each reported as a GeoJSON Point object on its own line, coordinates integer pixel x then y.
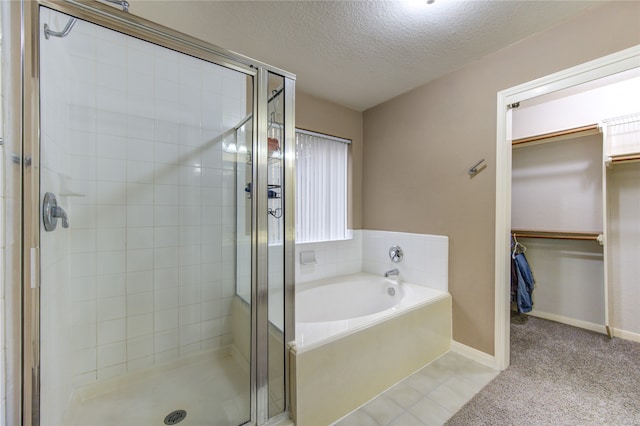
{"type": "Point", "coordinates": [396, 254]}
{"type": "Point", "coordinates": [51, 212]}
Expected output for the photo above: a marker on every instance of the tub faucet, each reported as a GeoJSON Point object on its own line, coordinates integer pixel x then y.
{"type": "Point", "coordinates": [391, 272]}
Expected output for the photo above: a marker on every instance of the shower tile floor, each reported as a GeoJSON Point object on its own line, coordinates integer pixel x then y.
{"type": "Point", "coordinates": [213, 389]}
{"type": "Point", "coordinates": [428, 397]}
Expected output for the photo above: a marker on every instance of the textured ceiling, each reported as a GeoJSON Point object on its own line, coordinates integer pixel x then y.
{"type": "Point", "coordinates": [362, 53]}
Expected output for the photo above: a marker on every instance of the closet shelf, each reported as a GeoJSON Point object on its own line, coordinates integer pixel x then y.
{"type": "Point", "coordinates": [557, 235]}
{"type": "Point", "coordinates": [591, 129]}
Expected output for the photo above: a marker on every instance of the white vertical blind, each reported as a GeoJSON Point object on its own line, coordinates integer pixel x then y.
{"type": "Point", "coordinates": [321, 188]}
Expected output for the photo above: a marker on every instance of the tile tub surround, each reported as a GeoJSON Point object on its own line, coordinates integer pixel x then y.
{"type": "Point", "coordinates": [425, 262]}
{"type": "Point", "coordinates": [333, 258]}
{"type": "Point", "coordinates": [334, 379]}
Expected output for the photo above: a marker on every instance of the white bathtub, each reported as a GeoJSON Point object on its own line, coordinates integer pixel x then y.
{"type": "Point", "coordinates": [333, 308]}
{"type": "Point", "coordinates": [354, 340]}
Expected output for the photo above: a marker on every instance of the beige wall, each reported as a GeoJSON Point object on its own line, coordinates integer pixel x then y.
{"type": "Point", "coordinates": [420, 144]}
{"type": "Point", "coordinates": [326, 117]}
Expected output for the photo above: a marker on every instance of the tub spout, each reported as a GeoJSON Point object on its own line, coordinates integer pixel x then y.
{"type": "Point", "coordinates": [391, 272]}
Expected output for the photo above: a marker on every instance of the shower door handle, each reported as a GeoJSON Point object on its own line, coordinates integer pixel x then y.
{"type": "Point", "coordinates": [51, 212]}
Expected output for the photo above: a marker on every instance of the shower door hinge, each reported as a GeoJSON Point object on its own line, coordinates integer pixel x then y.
{"type": "Point", "coordinates": [513, 105]}
{"type": "Point", "coordinates": [18, 160]}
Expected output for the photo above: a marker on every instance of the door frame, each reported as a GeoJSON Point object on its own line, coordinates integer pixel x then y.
{"type": "Point", "coordinates": [608, 65]}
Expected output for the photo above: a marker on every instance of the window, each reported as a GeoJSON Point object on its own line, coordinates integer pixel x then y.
{"type": "Point", "coordinates": [321, 187]}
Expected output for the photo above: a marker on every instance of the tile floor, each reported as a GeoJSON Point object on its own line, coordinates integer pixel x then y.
{"type": "Point", "coordinates": [428, 397]}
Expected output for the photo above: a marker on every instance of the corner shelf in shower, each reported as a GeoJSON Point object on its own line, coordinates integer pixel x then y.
{"type": "Point", "coordinates": [272, 193]}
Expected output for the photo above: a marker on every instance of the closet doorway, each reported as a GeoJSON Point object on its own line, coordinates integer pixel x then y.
{"type": "Point", "coordinates": [557, 221]}
{"type": "Point", "coordinates": [547, 134]}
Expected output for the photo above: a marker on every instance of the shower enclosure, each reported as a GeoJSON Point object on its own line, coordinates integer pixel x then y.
{"type": "Point", "coordinates": [158, 225]}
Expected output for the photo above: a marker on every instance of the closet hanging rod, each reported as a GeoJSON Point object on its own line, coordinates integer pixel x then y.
{"type": "Point", "coordinates": [576, 131]}
{"type": "Point", "coordinates": [624, 158]}
{"type": "Point", "coordinates": [553, 235]}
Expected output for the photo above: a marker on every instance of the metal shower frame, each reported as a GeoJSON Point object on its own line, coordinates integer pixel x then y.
{"type": "Point", "coordinates": [118, 20]}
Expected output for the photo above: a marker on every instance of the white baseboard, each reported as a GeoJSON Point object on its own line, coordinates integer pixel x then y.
{"type": "Point", "coordinates": [627, 335]}
{"type": "Point", "coordinates": [473, 354]}
{"type": "Point", "coordinates": [599, 328]}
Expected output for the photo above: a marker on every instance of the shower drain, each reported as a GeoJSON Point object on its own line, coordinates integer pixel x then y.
{"type": "Point", "coordinates": [175, 417]}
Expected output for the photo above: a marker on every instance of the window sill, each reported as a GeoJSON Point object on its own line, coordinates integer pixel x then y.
{"type": "Point", "coordinates": [349, 238]}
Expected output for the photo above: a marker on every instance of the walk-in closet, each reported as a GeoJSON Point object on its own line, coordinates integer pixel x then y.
{"type": "Point", "coordinates": [576, 204]}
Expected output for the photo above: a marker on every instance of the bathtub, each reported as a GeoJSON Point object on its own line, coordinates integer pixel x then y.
{"type": "Point", "coordinates": [358, 335]}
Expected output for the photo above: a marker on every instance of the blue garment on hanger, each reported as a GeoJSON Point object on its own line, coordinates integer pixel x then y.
{"type": "Point", "coordinates": [525, 283]}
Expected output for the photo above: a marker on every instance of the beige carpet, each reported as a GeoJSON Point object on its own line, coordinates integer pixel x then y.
{"type": "Point", "coordinates": [560, 375]}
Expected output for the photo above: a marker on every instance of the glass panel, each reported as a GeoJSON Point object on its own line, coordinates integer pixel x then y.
{"type": "Point", "coordinates": [140, 313]}
{"type": "Point", "coordinates": [275, 133]}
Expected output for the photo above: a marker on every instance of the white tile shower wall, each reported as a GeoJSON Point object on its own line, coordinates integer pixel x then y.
{"type": "Point", "coordinates": [144, 183]}
{"type": "Point", "coordinates": [425, 262]}
{"type": "Point", "coordinates": [333, 258]}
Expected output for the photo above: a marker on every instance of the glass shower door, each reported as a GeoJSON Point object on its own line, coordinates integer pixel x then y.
{"type": "Point", "coordinates": [142, 317]}
{"type": "Point", "coordinates": [275, 226]}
